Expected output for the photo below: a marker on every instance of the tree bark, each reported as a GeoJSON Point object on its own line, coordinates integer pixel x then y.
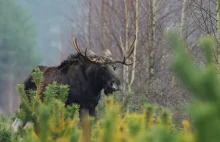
{"type": "Point", "coordinates": [182, 17]}
{"type": "Point", "coordinates": [125, 47]}
{"type": "Point", "coordinates": [152, 38]}
{"type": "Point", "coordinates": [102, 25]}
{"type": "Point", "coordinates": [89, 24]}
{"type": "Point", "coordinates": [136, 43]}
{"type": "Point", "coordinates": [127, 14]}
{"type": "Point", "coordinates": [218, 34]}
{"type": "Point", "coordinates": [181, 32]}
{"type": "Point", "coordinates": [148, 29]}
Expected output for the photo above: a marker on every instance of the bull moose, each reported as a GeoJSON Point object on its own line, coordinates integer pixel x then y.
{"type": "Point", "coordinates": [86, 76]}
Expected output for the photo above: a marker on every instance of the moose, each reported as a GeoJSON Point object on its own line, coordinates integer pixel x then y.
{"type": "Point", "coordinates": [86, 75]}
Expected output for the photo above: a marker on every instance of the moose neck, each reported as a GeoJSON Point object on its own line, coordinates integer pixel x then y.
{"type": "Point", "coordinates": [95, 81]}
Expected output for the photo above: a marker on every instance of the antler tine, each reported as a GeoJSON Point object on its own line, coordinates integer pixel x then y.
{"type": "Point", "coordinates": [76, 45]}
{"type": "Point", "coordinates": [131, 49]}
{"type": "Point", "coordinates": [123, 62]}
{"type": "Point", "coordinates": [79, 51]}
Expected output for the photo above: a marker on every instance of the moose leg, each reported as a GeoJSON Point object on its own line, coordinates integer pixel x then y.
{"type": "Point", "coordinates": [83, 114]}
{"type": "Point", "coordinates": [92, 112]}
{"type": "Point", "coordinates": [85, 123]}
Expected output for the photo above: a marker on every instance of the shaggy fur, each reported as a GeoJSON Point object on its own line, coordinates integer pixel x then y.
{"type": "Point", "coordinates": [85, 78]}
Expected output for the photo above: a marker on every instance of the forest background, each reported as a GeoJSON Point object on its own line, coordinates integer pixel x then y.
{"type": "Point", "coordinates": [39, 32]}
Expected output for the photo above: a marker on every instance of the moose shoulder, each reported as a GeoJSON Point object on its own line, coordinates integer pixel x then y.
{"type": "Point", "coordinates": [86, 76]}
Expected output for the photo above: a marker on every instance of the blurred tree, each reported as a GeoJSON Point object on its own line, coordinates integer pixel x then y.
{"type": "Point", "coordinates": [17, 47]}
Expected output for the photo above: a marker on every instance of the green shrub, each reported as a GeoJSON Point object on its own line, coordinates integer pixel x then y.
{"type": "Point", "coordinates": [5, 134]}
{"type": "Point", "coordinates": [51, 121]}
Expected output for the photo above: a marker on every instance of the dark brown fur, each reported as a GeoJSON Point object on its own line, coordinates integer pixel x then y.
{"type": "Point", "coordinates": [86, 80]}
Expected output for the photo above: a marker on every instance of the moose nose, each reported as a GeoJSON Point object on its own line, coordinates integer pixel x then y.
{"type": "Point", "coordinates": [115, 86]}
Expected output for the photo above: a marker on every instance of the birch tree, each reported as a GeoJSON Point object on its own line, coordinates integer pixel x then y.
{"type": "Point", "coordinates": [136, 42]}
{"type": "Point", "coordinates": [182, 17]}
{"type": "Point", "coordinates": [181, 32]}
{"type": "Point", "coordinates": [127, 17]}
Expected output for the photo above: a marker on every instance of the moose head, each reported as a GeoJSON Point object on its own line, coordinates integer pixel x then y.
{"type": "Point", "coordinates": [103, 67]}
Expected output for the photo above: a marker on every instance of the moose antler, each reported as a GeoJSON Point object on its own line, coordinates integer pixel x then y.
{"type": "Point", "coordinates": [79, 50]}
{"type": "Point", "coordinates": [76, 46]}
{"type": "Point", "coordinates": [128, 54]}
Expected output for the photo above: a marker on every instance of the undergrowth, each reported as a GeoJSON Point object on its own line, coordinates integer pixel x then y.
{"type": "Point", "coordinates": [51, 121]}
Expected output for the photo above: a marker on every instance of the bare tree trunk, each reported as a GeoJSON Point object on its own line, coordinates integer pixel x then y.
{"type": "Point", "coordinates": [136, 42]}
{"type": "Point", "coordinates": [89, 23]}
{"type": "Point", "coordinates": [152, 38]}
{"type": "Point", "coordinates": [102, 25]}
{"type": "Point", "coordinates": [218, 34]}
{"type": "Point", "coordinates": [182, 17]}
{"type": "Point", "coordinates": [123, 72]}
{"type": "Point", "coordinates": [125, 68]}
{"type": "Point", "coordinates": [126, 38]}
{"type": "Point", "coordinates": [181, 32]}
{"type": "Point", "coordinates": [217, 18]}
{"type": "Point", "coordinates": [163, 50]}
{"type": "Point", "coordinates": [10, 92]}
{"type": "Point", "coordinates": [148, 29]}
